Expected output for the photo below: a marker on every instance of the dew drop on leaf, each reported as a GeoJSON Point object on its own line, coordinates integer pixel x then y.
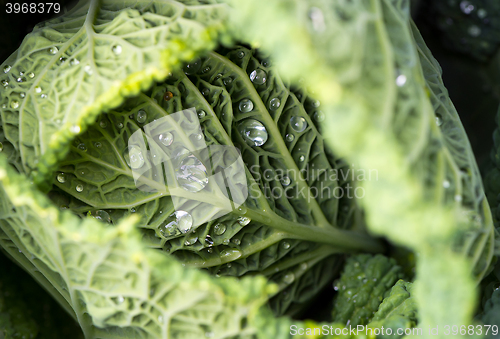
{"type": "Point", "coordinates": [208, 241]}
{"type": "Point", "coordinates": [38, 89]}
{"type": "Point", "coordinates": [43, 96]}
{"type": "Point", "coordinates": [439, 120]}
{"type": "Point", "coordinates": [285, 181]}
{"type": "Point", "coordinates": [191, 240]}
{"type": "Point", "coordinates": [53, 50]}
{"type": "Point", "coordinates": [288, 278]}
{"type": "Point", "coordinates": [274, 104]}
{"type": "Point", "coordinates": [236, 241]}
{"type": "Point", "coordinates": [290, 137]}
{"type": "Point", "coordinates": [298, 124]}
{"type": "Point", "coordinates": [74, 62]}
{"type": "Point", "coordinates": [97, 144]}
{"type": "Point", "coordinates": [240, 54]}
{"type": "Point", "coordinates": [82, 147]}
{"type": "Point", "coordinates": [219, 229]}
{"type": "Point", "coordinates": [225, 241]}
{"type": "Point", "coordinates": [246, 105]}
{"type": "Point", "coordinates": [79, 188]}
{"type": "Point", "coordinates": [168, 95]}
{"type": "Point", "coordinates": [166, 138]}
{"type": "Point", "coordinates": [14, 104]}
{"type": "Point", "coordinates": [88, 70]}
{"type": "Point", "coordinates": [133, 157]}
{"type": "Point", "coordinates": [119, 125]}
{"type": "Point", "coordinates": [75, 129]}
{"type": "Point", "coordinates": [31, 75]}
{"type": "Point", "coordinates": [458, 198]}
{"type": "Point", "coordinates": [205, 91]}
{"type": "Point", "coordinates": [206, 69]}
{"type": "Point", "coordinates": [302, 158]}
{"type": "Point", "coordinates": [303, 266]}
{"type": "Point", "coordinates": [5, 83]}
{"type": "Point", "coordinates": [201, 113]}
{"type": "Point", "coordinates": [61, 177]}
{"type": "Point", "coordinates": [101, 216]}
{"type": "Point", "coordinates": [1, 147]}
{"type": "Point", "coordinates": [227, 81]}
{"type": "Point", "coordinates": [230, 254]}
{"type": "Point", "coordinates": [22, 94]}
{"type": "Point", "coordinates": [190, 172]}
{"type": "Point", "coordinates": [7, 68]}
{"type": "Point", "coordinates": [141, 116]}
{"type": "Point", "coordinates": [258, 77]}
{"type": "Point", "coordinates": [401, 80]}
{"type": "Point", "coordinates": [285, 245]}
{"type": "Point", "coordinates": [116, 49]}
{"type": "Point", "coordinates": [103, 124]}
{"type": "Point", "coordinates": [446, 184]}
{"type": "Point", "coordinates": [254, 133]}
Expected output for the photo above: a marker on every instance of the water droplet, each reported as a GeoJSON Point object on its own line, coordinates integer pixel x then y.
{"type": "Point", "coordinates": [303, 266]}
{"type": "Point", "coordinates": [74, 62]}
{"type": "Point", "coordinates": [219, 229]}
{"type": "Point", "coordinates": [401, 80]}
{"type": "Point", "coordinates": [197, 136]}
{"type": "Point", "coordinates": [97, 144]}
{"type": "Point", "coordinates": [101, 216]}
{"type": "Point", "coordinates": [53, 50]}
{"type": "Point", "coordinates": [290, 137]}
{"type": "Point", "coordinates": [192, 67]}
{"type": "Point", "coordinates": [88, 70]}
{"type": "Point", "coordinates": [474, 31]}
{"type": "Point", "coordinates": [266, 63]}
{"type": "Point", "coordinates": [120, 299]}
{"type": "Point", "coordinates": [481, 13]}
{"type": "Point", "coordinates": [168, 95]}
{"type": "Point", "coordinates": [218, 76]}
{"type": "Point", "coordinates": [116, 49]}
{"type": "Point", "coordinates": [236, 241]}
{"type": "Point", "coordinates": [243, 221]}
{"type": "Point", "coordinates": [38, 89]}
{"type": "Point", "coordinates": [210, 250]}
{"type": "Point", "coordinates": [4, 106]}
{"type": "Point", "coordinates": [190, 240]}
{"type": "Point", "coordinates": [31, 75]}
{"type": "Point", "coordinates": [1, 147]}
{"type": "Point", "coordinates": [206, 69]}
{"type": "Point", "coordinates": [62, 60]}
{"type": "Point", "coordinates": [43, 96]}
{"type": "Point", "coordinates": [285, 245]}
{"type": "Point", "coordinates": [79, 188]}
{"type": "Point", "coordinates": [240, 54]}
{"type": "Point", "coordinates": [5, 83]}
{"type": "Point", "coordinates": [285, 181]}
{"type": "Point", "coordinates": [458, 198]}
{"type": "Point", "coordinates": [160, 319]}
{"type": "Point", "coordinates": [288, 278]}
{"type": "Point", "coordinates": [246, 105]}
{"type": "Point", "coordinates": [298, 124]}
{"type": "Point", "coordinates": [14, 104]}
{"type": "Point", "coordinates": [103, 124]}
{"type": "Point", "coordinates": [132, 210]}
{"type": "Point", "coordinates": [21, 79]}
{"type": "Point", "coordinates": [190, 172]}
{"type": "Point", "coordinates": [254, 132]}
{"type": "Point", "coordinates": [82, 147]}
{"type": "Point", "coordinates": [302, 158]}
{"type": "Point", "coordinates": [7, 68]}
{"type": "Point", "coordinates": [208, 241]}
{"type": "Point", "coordinates": [119, 125]}
{"type": "Point", "coordinates": [230, 254]}
{"type": "Point", "coordinates": [133, 157]}
{"type": "Point", "coordinates": [466, 7]}
{"type": "Point", "coordinates": [274, 104]}
{"type": "Point", "coordinates": [166, 138]}
{"type": "Point", "coordinates": [141, 116]}
{"type": "Point", "coordinates": [201, 113]}
{"type": "Point", "coordinates": [205, 91]}
{"type": "Point", "coordinates": [227, 81]}
{"type": "Point", "coordinates": [61, 177]}
{"type": "Point", "coordinates": [319, 116]}
{"type": "Point", "coordinates": [22, 94]}
{"type": "Point", "coordinates": [446, 184]}
{"type": "Point", "coordinates": [258, 77]}
{"type": "Point", "coordinates": [225, 241]}
{"type": "Point", "coordinates": [439, 120]}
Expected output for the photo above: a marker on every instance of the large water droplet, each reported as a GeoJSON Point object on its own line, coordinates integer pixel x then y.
{"type": "Point", "coordinates": [53, 50]}
{"type": "Point", "coordinates": [79, 188]}
{"type": "Point", "coordinates": [254, 132]}
{"type": "Point", "coordinates": [183, 220]}
{"type": "Point", "coordinates": [14, 104]}
{"type": "Point", "coordinates": [219, 229]}
{"type": "Point", "coordinates": [298, 124]}
{"type": "Point", "coordinates": [274, 104]}
{"type": "Point", "coordinates": [116, 49]}
{"type": "Point", "coordinates": [288, 278]}
{"type": "Point", "coordinates": [466, 7]}
{"type": "Point", "coordinates": [285, 245]}
{"type": "Point", "coordinates": [190, 172]}
{"type": "Point", "coordinates": [101, 216]}
{"type": "Point", "coordinates": [166, 138]}
{"type": "Point", "coordinates": [230, 254]}
{"type": "Point", "coordinates": [285, 181]}
{"type": "Point", "coordinates": [141, 116]}
{"type": "Point", "coordinates": [258, 77]}
{"type": "Point", "coordinates": [7, 68]}
{"type": "Point", "coordinates": [243, 221]}
{"type": "Point", "coordinates": [191, 240]}
{"type": "Point", "coordinates": [474, 31]}
{"type": "Point", "coordinates": [61, 177]}
{"type": "Point", "coordinates": [133, 157]}
{"type": "Point", "coordinates": [192, 67]}
{"type": "Point", "coordinates": [246, 105]}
